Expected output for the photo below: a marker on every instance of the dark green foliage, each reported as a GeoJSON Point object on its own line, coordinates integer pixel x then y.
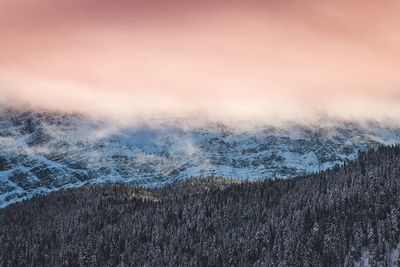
{"type": "Point", "coordinates": [327, 219]}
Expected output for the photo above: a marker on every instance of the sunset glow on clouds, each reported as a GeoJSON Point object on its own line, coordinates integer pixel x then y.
{"type": "Point", "coordinates": [228, 59]}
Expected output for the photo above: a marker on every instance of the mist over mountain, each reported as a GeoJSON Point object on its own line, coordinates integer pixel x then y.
{"type": "Point", "coordinates": [200, 133]}
{"type": "Point", "coordinates": [45, 151]}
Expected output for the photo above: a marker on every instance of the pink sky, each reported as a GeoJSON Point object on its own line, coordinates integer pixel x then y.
{"type": "Point", "coordinates": [229, 59]}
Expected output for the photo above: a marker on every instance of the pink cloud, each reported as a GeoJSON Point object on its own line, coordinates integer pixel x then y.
{"type": "Point", "coordinates": [257, 59]}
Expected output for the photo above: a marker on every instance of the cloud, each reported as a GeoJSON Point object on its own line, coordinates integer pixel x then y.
{"type": "Point", "coordinates": [263, 61]}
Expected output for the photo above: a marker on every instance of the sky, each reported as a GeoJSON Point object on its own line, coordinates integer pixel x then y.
{"type": "Point", "coordinates": [225, 59]}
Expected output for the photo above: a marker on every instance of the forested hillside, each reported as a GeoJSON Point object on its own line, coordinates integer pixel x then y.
{"type": "Point", "coordinates": [342, 217]}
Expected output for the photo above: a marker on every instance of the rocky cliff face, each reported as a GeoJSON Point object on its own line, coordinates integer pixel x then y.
{"type": "Point", "coordinates": [42, 152]}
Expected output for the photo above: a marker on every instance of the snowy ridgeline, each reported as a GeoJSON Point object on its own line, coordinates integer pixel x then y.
{"type": "Point", "coordinates": [42, 152]}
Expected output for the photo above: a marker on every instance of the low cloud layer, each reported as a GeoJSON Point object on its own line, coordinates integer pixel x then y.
{"type": "Point", "coordinates": [233, 60]}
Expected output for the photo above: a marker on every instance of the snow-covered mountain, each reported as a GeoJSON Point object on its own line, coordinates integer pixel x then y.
{"type": "Point", "coordinates": [42, 152]}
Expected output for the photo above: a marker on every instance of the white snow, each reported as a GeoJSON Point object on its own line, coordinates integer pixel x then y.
{"type": "Point", "coordinates": [79, 150]}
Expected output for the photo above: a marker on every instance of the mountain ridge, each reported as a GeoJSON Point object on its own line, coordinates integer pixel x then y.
{"type": "Point", "coordinates": [42, 151]}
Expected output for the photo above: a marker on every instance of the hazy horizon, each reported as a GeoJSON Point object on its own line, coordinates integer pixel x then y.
{"type": "Point", "coordinates": [260, 61]}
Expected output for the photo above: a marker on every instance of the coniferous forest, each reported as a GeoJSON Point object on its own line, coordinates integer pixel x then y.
{"type": "Point", "coordinates": [346, 216]}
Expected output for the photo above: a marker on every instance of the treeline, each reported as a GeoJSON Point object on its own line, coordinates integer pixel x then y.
{"type": "Point", "coordinates": [333, 218]}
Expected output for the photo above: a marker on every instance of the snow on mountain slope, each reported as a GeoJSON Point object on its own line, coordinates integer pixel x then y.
{"type": "Point", "coordinates": [41, 152]}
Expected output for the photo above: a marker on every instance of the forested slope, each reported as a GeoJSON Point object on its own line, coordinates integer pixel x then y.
{"type": "Point", "coordinates": [333, 218]}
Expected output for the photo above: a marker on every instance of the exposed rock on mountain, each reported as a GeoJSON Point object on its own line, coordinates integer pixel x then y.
{"type": "Point", "coordinates": [42, 152]}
